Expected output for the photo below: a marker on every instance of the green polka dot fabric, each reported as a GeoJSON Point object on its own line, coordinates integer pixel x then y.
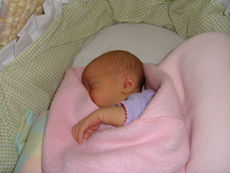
{"type": "Point", "coordinates": [30, 81]}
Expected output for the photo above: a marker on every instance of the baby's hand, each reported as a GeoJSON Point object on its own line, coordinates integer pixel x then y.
{"type": "Point", "coordinates": [84, 128]}
{"type": "Point", "coordinates": [113, 115]}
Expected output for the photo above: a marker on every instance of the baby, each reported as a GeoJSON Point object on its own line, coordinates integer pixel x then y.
{"type": "Point", "coordinates": [114, 82]}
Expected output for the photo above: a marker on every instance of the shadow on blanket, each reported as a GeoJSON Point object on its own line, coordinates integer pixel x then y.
{"type": "Point", "coordinates": [186, 123]}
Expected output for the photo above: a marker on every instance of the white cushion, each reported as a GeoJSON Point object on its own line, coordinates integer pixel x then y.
{"type": "Point", "coordinates": [148, 42]}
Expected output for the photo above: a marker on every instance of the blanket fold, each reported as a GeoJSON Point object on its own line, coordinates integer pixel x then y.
{"type": "Point", "coordinates": [151, 143]}
{"type": "Point", "coordinates": [160, 139]}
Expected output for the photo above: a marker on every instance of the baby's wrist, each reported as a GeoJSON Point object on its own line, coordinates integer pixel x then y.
{"type": "Point", "coordinates": [126, 113]}
{"type": "Point", "coordinates": [122, 115]}
{"type": "Point", "coordinates": [113, 115]}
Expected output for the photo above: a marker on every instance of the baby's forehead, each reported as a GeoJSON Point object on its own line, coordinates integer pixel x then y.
{"type": "Point", "coordinates": [115, 62]}
{"type": "Point", "coordinates": [91, 69]}
{"type": "Point", "coordinates": [105, 63]}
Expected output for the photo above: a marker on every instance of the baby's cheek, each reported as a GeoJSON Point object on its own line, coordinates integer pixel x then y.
{"type": "Point", "coordinates": [101, 97]}
{"type": "Point", "coordinates": [100, 101]}
{"type": "Point", "coordinates": [96, 98]}
{"type": "Point", "coordinates": [92, 97]}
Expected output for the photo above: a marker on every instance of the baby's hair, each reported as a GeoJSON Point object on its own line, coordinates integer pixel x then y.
{"type": "Point", "coordinates": [120, 61]}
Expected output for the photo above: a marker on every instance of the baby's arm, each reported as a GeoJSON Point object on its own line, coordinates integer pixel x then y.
{"type": "Point", "coordinates": [112, 115]}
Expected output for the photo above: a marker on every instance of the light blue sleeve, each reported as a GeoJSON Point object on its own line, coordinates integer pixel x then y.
{"type": "Point", "coordinates": [136, 104]}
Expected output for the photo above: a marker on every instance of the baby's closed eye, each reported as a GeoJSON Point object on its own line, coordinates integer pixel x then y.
{"type": "Point", "coordinates": [93, 83]}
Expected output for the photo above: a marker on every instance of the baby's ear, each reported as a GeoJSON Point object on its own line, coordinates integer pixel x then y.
{"type": "Point", "coordinates": [129, 83]}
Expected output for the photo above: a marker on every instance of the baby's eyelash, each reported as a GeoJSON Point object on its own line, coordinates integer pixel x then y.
{"type": "Point", "coordinates": [92, 86]}
{"type": "Point", "coordinates": [87, 86]}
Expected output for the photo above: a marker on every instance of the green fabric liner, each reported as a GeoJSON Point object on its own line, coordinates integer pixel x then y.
{"type": "Point", "coordinates": [30, 81]}
{"type": "Point", "coordinates": [24, 129]}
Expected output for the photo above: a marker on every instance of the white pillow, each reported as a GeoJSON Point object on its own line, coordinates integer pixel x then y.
{"type": "Point", "coordinates": [148, 42]}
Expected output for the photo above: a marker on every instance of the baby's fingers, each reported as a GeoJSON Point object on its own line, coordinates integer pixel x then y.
{"type": "Point", "coordinates": [89, 131]}
{"type": "Point", "coordinates": [75, 131]}
{"type": "Point", "coordinates": [82, 130]}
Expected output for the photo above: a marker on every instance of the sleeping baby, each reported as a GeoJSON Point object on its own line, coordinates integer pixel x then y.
{"type": "Point", "coordinates": [114, 82]}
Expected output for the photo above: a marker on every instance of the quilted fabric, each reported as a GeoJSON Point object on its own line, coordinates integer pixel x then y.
{"type": "Point", "coordinates": [30, 81]}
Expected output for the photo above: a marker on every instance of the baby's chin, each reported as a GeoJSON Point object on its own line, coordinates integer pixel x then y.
{"type": "Point", "coordinates": [102, 104]}
{"type": "Point", "coordinates": [106, 105]}
{"type": "Point", "coordinates": [99, 104]}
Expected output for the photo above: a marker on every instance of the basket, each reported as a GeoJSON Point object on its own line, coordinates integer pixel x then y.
{"type": "Point", "coordinates": [14, 15]}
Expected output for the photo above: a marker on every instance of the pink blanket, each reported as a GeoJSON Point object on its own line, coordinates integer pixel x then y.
{"type": "Point", "coordinates": [190, 111]}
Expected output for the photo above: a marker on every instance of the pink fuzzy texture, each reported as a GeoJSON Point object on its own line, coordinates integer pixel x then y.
{"type": "Point", "coordinates": [188, 115]}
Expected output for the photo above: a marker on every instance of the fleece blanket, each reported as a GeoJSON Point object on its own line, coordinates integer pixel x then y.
{"type": "Point", "coordinates": [184, 124]}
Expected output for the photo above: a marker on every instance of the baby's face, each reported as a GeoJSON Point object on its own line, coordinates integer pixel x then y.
{"type": "Point", "coordinates": [103, 88]}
